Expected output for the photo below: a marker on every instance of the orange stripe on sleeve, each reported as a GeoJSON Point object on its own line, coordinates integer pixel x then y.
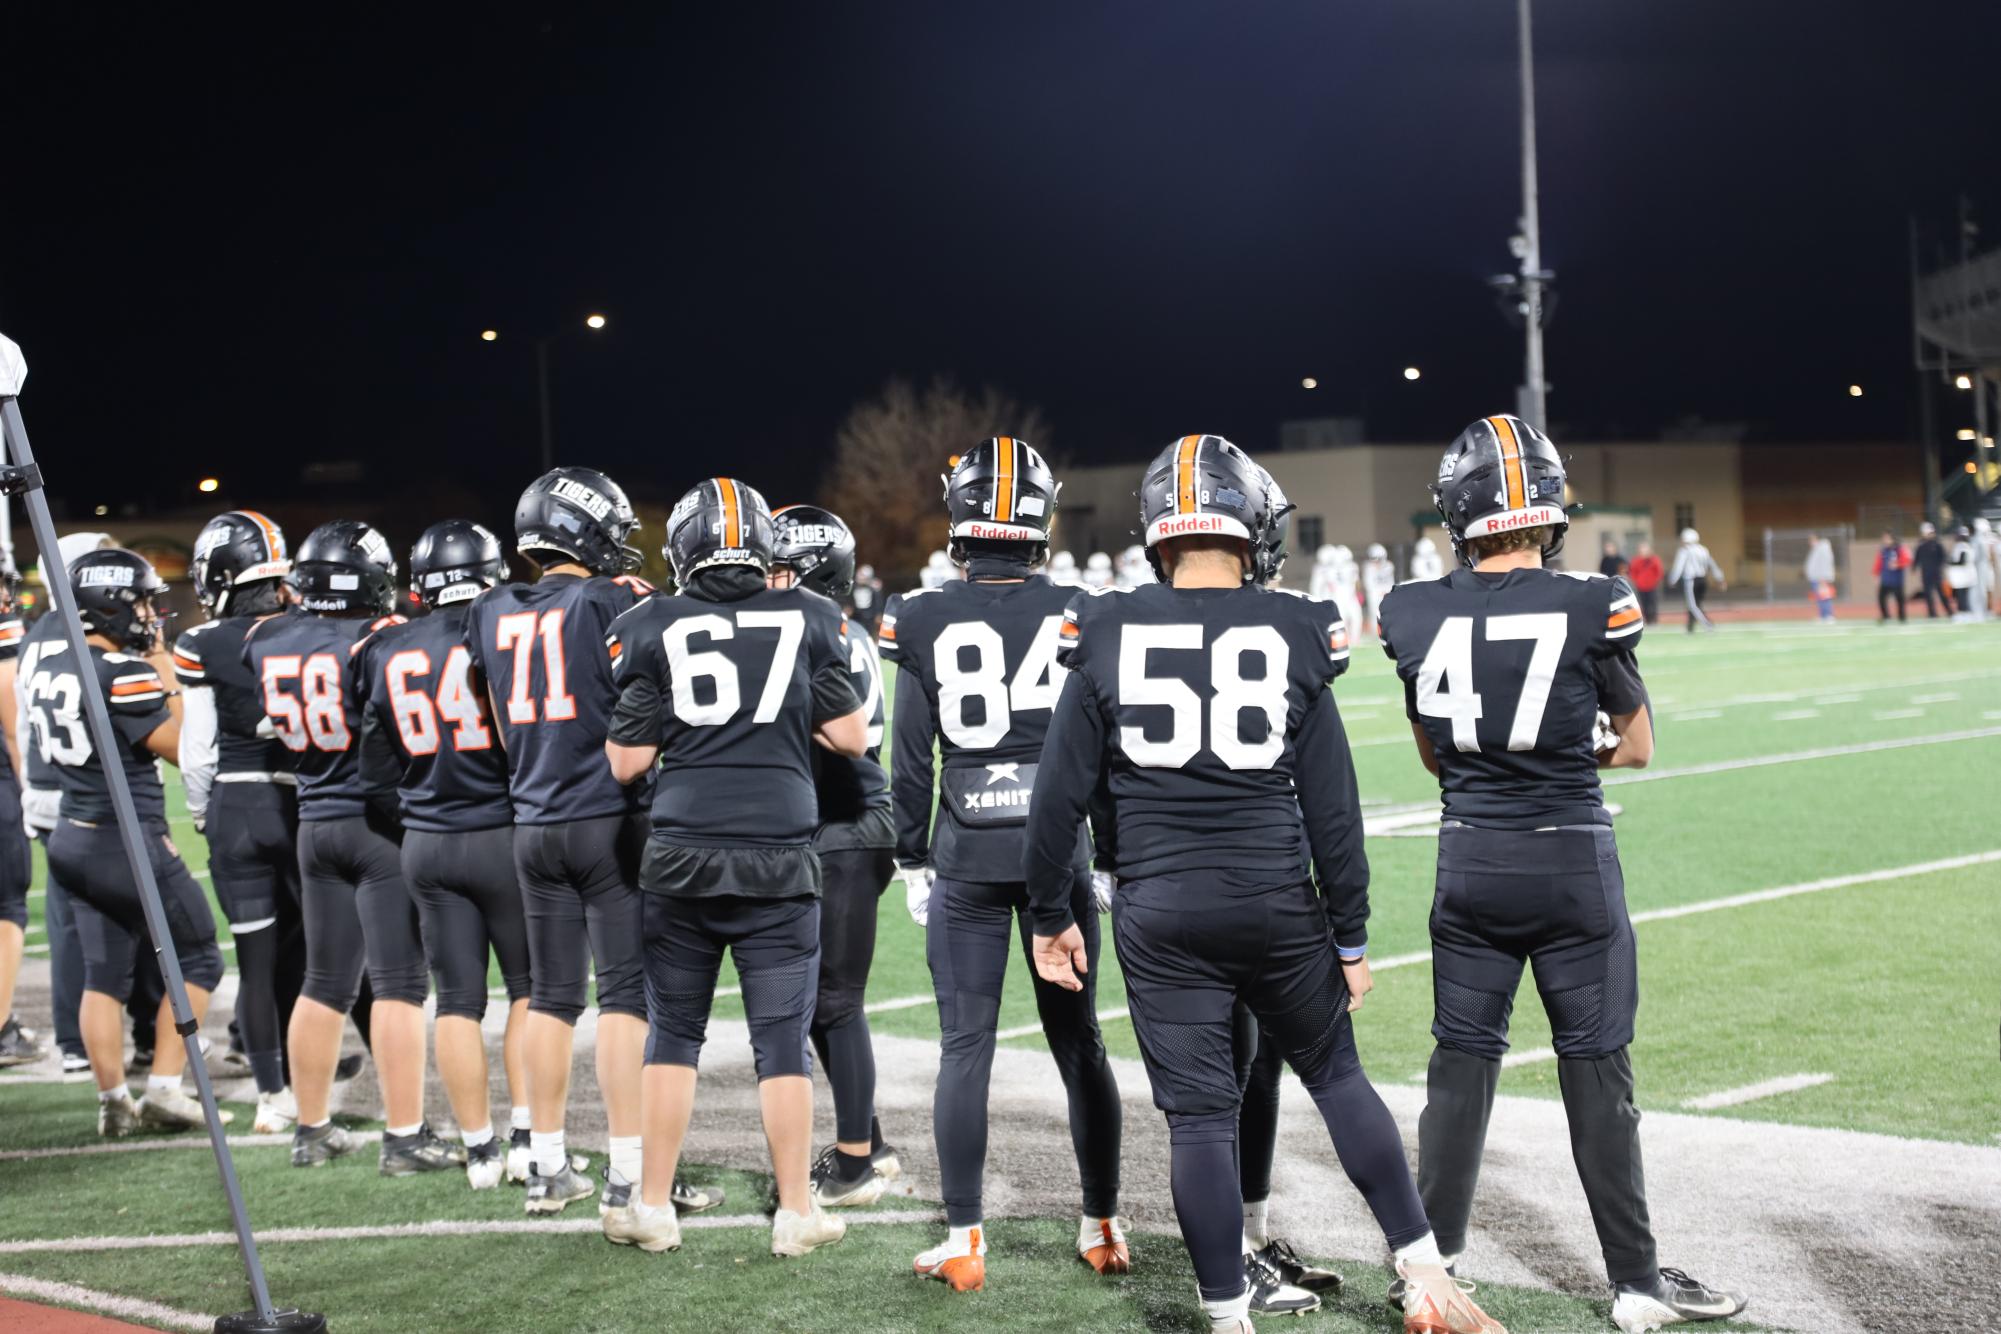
{"type": "Point", "coordinates": [1619, 618]}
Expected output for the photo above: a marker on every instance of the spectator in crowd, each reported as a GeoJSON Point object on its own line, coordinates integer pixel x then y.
{"type": "Point", "coordinates": [1891, 562]}
{"type": "Point", "coordinates": [1612, 562]}
{"type": "Point", "coordinates": [865, 599]}
{"type": "Point", "coordinates": [1930, 560]}
{"type": "Point", "coordinates": [1960, 575]}
{"type": "Point", "coordinates": [1987, 564]}
{"type": "Point", "coordinates": [1820, 576]}
{"type": "Point", "coordinates": [1645, 572]}
{"type": "Point", "coordinates": [1694, 567]}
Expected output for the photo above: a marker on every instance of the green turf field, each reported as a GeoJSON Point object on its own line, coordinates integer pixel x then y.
{"type": "Point", "coordinates": [1789, 757]}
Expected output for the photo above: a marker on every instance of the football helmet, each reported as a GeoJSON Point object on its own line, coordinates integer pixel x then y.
{"type": "Point", "coordinates": [345, 568]}
{"type": "Point", "coordinates": [114, 591]}
{"type": "Point", "coordinates": [455, 561]}
{"type": "Point", "coordinates": [233, 549]}
{"type": "Point", "coordinates": [1000, 490]}
{"type": "Point", "coordinates": [1272, 550]}
{"type": "Point", "coordinates": [720, 522]}
{"type": "Point", "coordinates": [1203, 484]}
{"type": "Point", "coordinates": [1377, 551]}
{"type": "Point", "coordinates": [1500, 474]}
{"type": "Point", "coordinates": [577, 515]}
{"type": "Point", "coordinates": [817, 547]}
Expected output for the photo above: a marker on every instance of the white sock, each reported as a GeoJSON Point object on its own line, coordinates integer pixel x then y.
{"type": "Point", "coordinates": [518, 1118]}
{"type": "Point", "coordinates": [403, 1132]}
{"type": "Point", "coordinates": [641, 1209]}
{"type": "Point", "coordinates": [1256, 1231]}
{"type": "Point", "coordinates": [547, 1152]}
{"type": "Point", "coordinates": [1230, 1308]}
{"type": "Point", "coordinates": [625, 1157]}
{"type": "Point", "coordinates": [118, 1093]}
{"type": "Point", "coordinates": [163, 1083]}
{"type": "Point", "coordinates": [961, 1239]}
{"type": "Point", "coordinates": [474, 1138]}
{"type": "Point", "coordinates": [1423, 1251]}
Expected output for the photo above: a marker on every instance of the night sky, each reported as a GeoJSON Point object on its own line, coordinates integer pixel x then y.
{"type": "Point", "coordinates": [236, 249]}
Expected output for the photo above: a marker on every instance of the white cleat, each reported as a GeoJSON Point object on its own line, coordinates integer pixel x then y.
{"type": "Point", "coordinates": [171, 1109]}
{"type": "Point", "coordinates": [652, 1230]}
{"type": "Point", "coordinates": [795, 1234]}
{"type": "Point", "coordinates": [485, 1165]}
{"type": "Point", "coordinates": [277, 1113]}
{"type": "Point", "coordinates": [1672, 1299]}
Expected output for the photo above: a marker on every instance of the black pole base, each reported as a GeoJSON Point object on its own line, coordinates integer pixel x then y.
{"type": "Point", "coordinates": [281, 1322]}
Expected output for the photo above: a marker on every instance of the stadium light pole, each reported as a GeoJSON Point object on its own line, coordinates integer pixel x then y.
{"type": "Point", "coordinates": [20, 476]}
{"type": "Point", "coordinates": [594, 321]}
{"type": "Point", "coordinates": [1527, 290]}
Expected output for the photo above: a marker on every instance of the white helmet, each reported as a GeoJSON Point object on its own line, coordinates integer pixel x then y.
{"type": "Point", "coordinates": [1341, 553]}
{"type": "Point", "coordinates": [1376, 551]}
{"type": "Point", "coordinates": [1426, 547]}
{"type": "Point", "coordinates": [1326, 555]}
{"type": "Point", "coordinates": [1062, 560]}
{"type": "Point", "coordinates": [1098, 560]}
{"type": "Point", "coordinates": [1690, 537]}
{"type": "Point", "coordinates": [1982, 525]}
{"type": "Point", "coordinates": [71, 546]}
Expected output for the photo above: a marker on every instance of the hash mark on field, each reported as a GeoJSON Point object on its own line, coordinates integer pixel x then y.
{"type": "Point", "coordinates": [1888, 715]}
{"type": "Point", "coordinates": [1694, 715]}
{"type": "Point", "coordinates": [1945, 698]}
{"type": "Point", "coordinates": [130, 1308]}
{"type": "Point", "coordinates": [1795, 715]}
{"type": "Point", "coordinates": [1826, 700]}
{"type": "Point", "coordinates": [1767, 1088]}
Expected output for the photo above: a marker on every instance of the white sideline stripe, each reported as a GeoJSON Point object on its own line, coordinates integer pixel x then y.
{"type": "Point", "coordinates": [439, 1228]}
{"type": "Point", "coordinates": [1533, 1056]}
{"type": "Point", "coordinates": [1768, 1088]}
{"type": "Point", "coordinates": [1030, 1030]}
{"type": "Point", "coordinates": [130, 1308]}
{"type": "Point", "coordinates": [898, 1003]}
{"type": "Point", "coordinates": [190, 1141]}
{"type": "Point", "coordinates": [1791, 757]}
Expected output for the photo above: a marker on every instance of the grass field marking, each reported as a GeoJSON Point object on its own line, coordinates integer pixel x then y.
{"type": "Point", "coordinates": [1692, 716]}
{"type": "Point", "coordinates": [1795, 715]}
{"type": "Point", "coordinates": [189, 1141]}
{"type": "Point", "coordinates": [1892, 715]}
{"type": "Point", "coordinates": [1766, 1088]}
{"type": "Point", "coordinates": [1533, 1056]}
{"type": "Point", "coordinates": [1031, 1030]}
{"type": "Point", "coordinates": [1796, 756]}
{"type": "Point", "coordinates": [898, 1003]}
{"type": "Point", "coordinates": [1827, 701]}
{"type": "Point", "coordinates": [1946, 697]}
{"type": "Point", "coordinates": [127, 1308]}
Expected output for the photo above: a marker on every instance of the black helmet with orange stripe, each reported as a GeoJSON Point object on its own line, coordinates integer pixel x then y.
{"type": "Point", "coordinates": [1202, 485]}
{"type": "Point", "coordinates": [720, 522]}
{"type": "Point", "coordinates": [1000, 490]}
{"type": "Point", "coordinates": [1500, 475]}
{"type": "Point", "coordinates": [580, 516]}
{"type": "Point", "coordinates": [234, 552]}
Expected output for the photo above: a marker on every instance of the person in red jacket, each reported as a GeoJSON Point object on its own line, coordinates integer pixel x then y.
{"type": "Point", "coordinates": [1645, 573]}
{"type": "Point", "coordinates": [1892, 559]}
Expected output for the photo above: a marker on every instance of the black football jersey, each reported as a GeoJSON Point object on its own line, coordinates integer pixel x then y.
{"type": "Point", "coordinates": [854, 794]}
{"type": "Point", "coordinates": [12, 631]}
{"type": "Point", "coordinates": [302, 664]}
{"type": "Point", "coordinates": [1207, 718]}
{"type": "Point", "coordinates": [1506, 673]}
{"type": "Point", "coordinates": [59, 730]}
{"type": "Point", "coordinates": [41, 769]}
{"type": "Point", "coordinates": [416, 679]}
{"type": "Point", "coordinates": [731, 692]}
{"type": "Point", "coordinates": [541, 649]}
{"type": "Point", "coordinates": [976, 674]}
{"type": "Point", "coordinates": [210, 656]}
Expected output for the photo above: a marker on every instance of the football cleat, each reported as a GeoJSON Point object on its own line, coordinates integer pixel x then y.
{"type": "Point", "coordinates": [1101, 1244]}
{"type": "Point", "coordinates": [518, 1158]}
{"type": "Point", "coordinates": [885, 1162]}
{"type": "Point", "coordinates": [963, 1269]}
{"type": "Point", "coordinates": [795, 1234]}
{"type": "Point", "coordinates": [833, 1191]}
{"type": "Point", "coordinates": [347, 1067]}
{"type": "Point", "coordinates": [276, 1113]}
{"type": "Point", "coordinates": [653, 1230]}
{"type": "Point", "coordinates": [1285, 1262]}
{"type": "Point", "coordinates": [116, 1117]}
{"type": "Point", "coordinates": [1393, 1298]}
{"type": "Point", "coordinates": [1673, 1298]}
{"type": "Point", "coordinates": [75, 1063]}
{"type": "Point", "coordinates": [1271, 1294]}
{"type": "Point", "coordinates": [318, 1147]}
{"type": "Point", "coordinates": [171, 1109]}
{"type": "Point", "coordinates": [409, 1155]}
{"type": "Point", "coordinates": [689, 1199]}
{"type": "Point", "coordinates": [18, 1045]}
{"type": "Point", "coordinates": [552, 1194]}
{"type": "Point", "coordinates": [485, 1165]}
{"type": "Point", "coordinates": [1434, 1302]}
{"type": "Point", "coordinates": [142, 1060]}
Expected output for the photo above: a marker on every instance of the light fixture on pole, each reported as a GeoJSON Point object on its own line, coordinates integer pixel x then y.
{"type": "Point", "coordinates": [594, 321]}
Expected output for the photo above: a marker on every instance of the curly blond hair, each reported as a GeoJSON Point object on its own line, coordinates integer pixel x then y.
{"type": "Point", "coordinates": [1500, 544]}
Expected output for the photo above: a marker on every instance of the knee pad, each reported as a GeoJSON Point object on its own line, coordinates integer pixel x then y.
{"type": "Point", "coordinates": [566, 1003]}
{"type": "Point", "coordinates": [1206, 1127]}
{"type": "Point", "coordinates": [778, 1002]}
{"type": "Point", "coordinates": [461, 1003]}
{"type": "Point", "coordinates": [677, 1018]}
{"type": "Point", "coordinates": [621, 989]}
{"type": "Point", "coordinates": [335, 990]}
{"type": "Point", "coordinates": [400, 982]}
{"type": "Point", "coordinates": [1470, 1020]}
{"type": "Point", "coordinates": [1316, 1035]}
{"type": "Point", "coordinates": [835, 1006]}
{"type": "Point", "coordinates": [15, 911]}
{"type": "Point", "coordinates": [967, 1016]}
{"type": "Point", "coordinates": [202, 965]}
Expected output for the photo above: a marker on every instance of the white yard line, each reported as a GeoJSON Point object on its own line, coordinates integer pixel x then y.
{"type": "Point", "coordinates": [1891, 715]}
{"type": "Point", "coordinates": [1033, 1030]}
{"type": "Point", "coordinates": [188, 1141]}
{"type": "Point", "coordinates": [1795, 715]}
{"type": "Point", "coordinates": [1533, 1056]}
{"type": "Point", "coordinates": [1768, 1088]}
{"type": "Point", "coordinates": [1795, 756]}
{"type": "Point", "coordinates": [898, 1003]}
{"type": "Point", "coordinates": [1692, 716]}
{"type": "Point", "coordinates": [127, 1308]}
{"type": "Point", "coordinates": [1826, 701]}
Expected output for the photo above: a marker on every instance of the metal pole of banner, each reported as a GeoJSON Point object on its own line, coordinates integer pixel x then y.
{"type": "Point", "coordinates": [20, 476]}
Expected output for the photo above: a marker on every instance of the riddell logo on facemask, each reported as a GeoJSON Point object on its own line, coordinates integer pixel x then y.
{"type": "Point", "coordinates": [1197, 523]}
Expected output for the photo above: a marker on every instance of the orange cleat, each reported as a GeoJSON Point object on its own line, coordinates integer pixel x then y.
{"type": "Point", "coordinates": [1434, 1302]}
{"type": "Point", "coordinates": [963, 1267]}
{"type": "Point", "coordinates": [1101, 1244]}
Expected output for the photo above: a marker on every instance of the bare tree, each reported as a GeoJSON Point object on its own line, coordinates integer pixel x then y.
{"type": "Point", "coordinates": [888, 458]}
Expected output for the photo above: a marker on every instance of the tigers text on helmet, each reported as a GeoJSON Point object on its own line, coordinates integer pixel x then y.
{"type": "Point", "coordinates": [111, 586]}
{"type": "Point", "coordinates": [1000, 490]}
{"type": "Point", "coordinates": [577, 515]}
{"type": "Point", "coordinates": [455, 561]}
{"type": "Point", "coordinates": [232, 550]}
{"type": "Point", "coordinates": [817, 547]}
{"type": "Point", "coordinates": [1202, 485]}
{"type": "Point", "coordinates": [720, 522]}
{"type": "Point", "coordinates": [1273, 548]}
{"type": "Point", "coordinates": [345, 568]}
{"type": "Point", "coordinates": [1501, 474]}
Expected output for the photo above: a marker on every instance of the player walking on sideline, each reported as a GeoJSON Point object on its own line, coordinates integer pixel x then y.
{"type": "Point", "coordinates": [357, 908]}
{"type": "Point", "coordinates": [1693, 568]}
{"type": "Point", "coordinates": [1203, 704]}
{"type": "Point", "coordinates": [416, 680]}
{"type": "Point", "coordinates": [812, 548]}
{"type": "Point", "coordinates": [128, 665]}
{"type": "Point", "coordinates": [727, 686]}
{"type": "Point", "coordinates": [1508, 669]}
{"type": "Point", "coordinates": [976, 663]}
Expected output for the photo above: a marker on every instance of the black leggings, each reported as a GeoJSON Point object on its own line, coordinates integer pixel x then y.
{"type": "Point", "coordinates": [1884, 594]}
{"type": "Point", "coordinates": [253, 861]}
{"type": "Point", "coordinates": [853, 880]}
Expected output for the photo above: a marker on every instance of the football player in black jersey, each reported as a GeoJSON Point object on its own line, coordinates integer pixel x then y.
{"type": "Point", "coordinates": [1202, 702]}
{"type": "Point", "coordinates": [856, 840]}
{"type": "Point", "coordinates": [416, 679]}
{"type": "Point", "coordinates": [357, 907]}
{"type": "Point", "coordinates": [1521, 685]}
{"type": "Point", "coordinates": [727, 686]}
{"type": "Point", "coordinates": [242, 791]}
{"type": "Point", "coordinates": [16, 862]}
{"type": "Point", "coordinates": [116, 594]}
{"type": "Point", "coordinates": [977, 675]}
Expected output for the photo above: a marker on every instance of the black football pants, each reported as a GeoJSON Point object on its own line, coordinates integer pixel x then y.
{"type": "Point", "coordinates": [110, 919]}
{"type": "Point", "coordinates": [1556, 899]}
{"type": "Point", "coordinates": [253, 862]}
{"type": "Point", "coordinates": [359, 915]}
{"type": "Point", "coordinates": [971, 928]}
{"type": "Point", "coordinates": [468, 899]}
{"type": "Point", "coordinates": [580, 893]}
